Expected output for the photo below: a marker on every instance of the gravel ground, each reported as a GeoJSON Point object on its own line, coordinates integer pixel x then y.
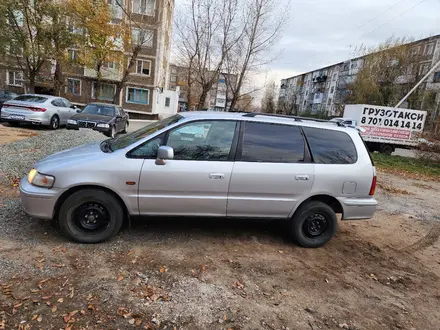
{"type": "Point", "coordinates": [18, 157]}
{"type": "Point", "coordinates": [216, 274]}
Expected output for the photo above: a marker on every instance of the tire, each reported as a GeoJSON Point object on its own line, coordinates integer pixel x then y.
{"type": "Point", "coordinates": [125, 127]}
{"type": "Point", "coordinates": [79, 214]}
{"type": "Point", "coordinates": [386, 149]}
{"type": "Point", "coordinates": [308, 222]}
{"type": "Point", "coordinates": [54, 122]}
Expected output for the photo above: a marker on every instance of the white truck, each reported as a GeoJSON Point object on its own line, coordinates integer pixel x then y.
{"type": "Point", "coordinates": [386, 128]}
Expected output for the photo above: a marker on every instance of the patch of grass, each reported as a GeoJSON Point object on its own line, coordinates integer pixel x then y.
{"type": "Point", "coordinates": [408, 167]}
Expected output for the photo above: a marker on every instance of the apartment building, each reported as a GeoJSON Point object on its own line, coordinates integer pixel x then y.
{"type": "Point", "coordinates": [218, 97]}
{"type": "Point", "coordinates": [145, 91]}
{"type": "Point", "coordinates": [324, 90]}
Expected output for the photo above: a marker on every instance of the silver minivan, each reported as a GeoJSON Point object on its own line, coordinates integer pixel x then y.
{"type": "Point", "coordinates": [209, 164]}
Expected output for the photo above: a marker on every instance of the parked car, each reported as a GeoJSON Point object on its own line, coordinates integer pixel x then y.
{"type": "Point", "coordinates": [209, 164]}
{"type": "Point", "coordinates": [36, 109]}
{"type": "Point", "coordinates": [107, 118]}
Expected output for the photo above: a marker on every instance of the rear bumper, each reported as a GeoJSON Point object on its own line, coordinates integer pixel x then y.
{"type": "Point", "coordinates": [38, 202]}
{"type": "Point", "coordinates": [358, 208]}
{"type": "Point", "coordinates": [36, 119]}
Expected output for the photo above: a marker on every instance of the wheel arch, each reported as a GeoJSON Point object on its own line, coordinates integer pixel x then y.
{"type": "Point", "coordinates": [74, 189]}
{"type": "Point", "coordinates": [324, 198]}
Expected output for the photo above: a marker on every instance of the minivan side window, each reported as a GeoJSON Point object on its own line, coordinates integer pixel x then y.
{"type": "Point", "coordinates": [330, 147]}
{"type": "Point", "coordinates": [271, 143]}
{"type": "Point", "coordinates": [203, 140]}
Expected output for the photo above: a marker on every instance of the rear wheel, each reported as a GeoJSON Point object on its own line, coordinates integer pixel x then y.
{"type": "Point", "coordinates": [54, 122]}
{"type": "Point", "coordinates": [386, 149]}
{"type": "Point", "coordinates": [313, 224]}
{"type": "Point", "coordinates": [91, 216]}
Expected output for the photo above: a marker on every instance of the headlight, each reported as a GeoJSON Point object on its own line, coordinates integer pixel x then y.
{"type": "Point", "coordinates": [103, 125]}
{"type": "Point", "coordinates": [40, 180]}
{"type": "Point", "coordinates": [71, 121]}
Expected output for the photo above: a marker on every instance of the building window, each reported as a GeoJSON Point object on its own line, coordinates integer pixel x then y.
{"type": "Point", "coordinates": [143, 67]}
{"type": "Point", "coordinates": [15, 78]}
{"type": "Point", "coordinates": [73, 86]}
{"type": "Point", "coordinates": [14, 49]}
{"type": "Point", "coordinates": [173, 78]}
{"type": "Point", "coordinates": [437, 76]}
{"type": "Point", "coordinates": [172, 87]}
{"type": "Point", "coordinates": [138, 95]}
{"type": "Point", "coordinates": [173, 69]}
{"type": "Point", "coordinates": [424, 68]}
{"type": "Point", "coordinates": [221, 101]}
{"type": "Point", "coordinates": [142, 37]}
{"type": "Point", "coordinates": [329, 101]}
{"type": "Point", "coordinates": [72, 55]}
{"type": "Point", "coordinates": [335, 75]}
{"type": "Point", "coordinates": [332, 89]}
{"type": "Point", "coordinates": [106, 91]}
{"type": "Point", "coordinates": [109, 65]}
{"type": "Point", "coordinates": [144, 7]}
{"type": "Point", "coordinates": [429, 49]}
{"type": "Point", "coordinates": [167, 102]}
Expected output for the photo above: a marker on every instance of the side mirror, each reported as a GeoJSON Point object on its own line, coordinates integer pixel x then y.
{"type": "Point", "coordinates": [78, 110]}
{"type": "Point", "coordinates": [164, 153]}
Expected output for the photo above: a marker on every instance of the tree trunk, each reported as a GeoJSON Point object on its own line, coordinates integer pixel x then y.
{"type": "Point", "coordinates": [31, 85]}
{"type": "Point", "coordinates": [98, 81]}
{"type": "Point", "coordinates": [120, 85]}
{"type": "Point", "coordinates": [58, 78]}
{"type": "Point", "coordinates": [202, 99]}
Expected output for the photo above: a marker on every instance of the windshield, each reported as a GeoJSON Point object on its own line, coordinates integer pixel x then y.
{"type": "Point", "coordinates": [125, 140]}
{"type": "Point", "coordinates": [99, 109]}
{"type": "Point", "coordinates": [31, 98]}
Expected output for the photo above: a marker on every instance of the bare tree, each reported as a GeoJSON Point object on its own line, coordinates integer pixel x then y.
{"type": "Point", "coordinates": [268, 103]}
{"type": "Point", "coordinates": [261, 28]}
{"type": "Point", "coordinates": [206, 31]}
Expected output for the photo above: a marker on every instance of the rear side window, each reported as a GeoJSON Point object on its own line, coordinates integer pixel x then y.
{"type": "Point", "coordinates": [31, 98]}
{"type": "Point", "coordinates": [330, 147]}
{"type": "Point", "coordinates": [271, 143]}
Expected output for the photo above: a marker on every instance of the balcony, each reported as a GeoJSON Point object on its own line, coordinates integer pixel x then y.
{"type": "Point", "coordinates": [114, 74]}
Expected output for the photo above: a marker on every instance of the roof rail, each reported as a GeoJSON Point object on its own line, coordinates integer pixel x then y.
{"type": "Point", "coordinates": [296, 118]}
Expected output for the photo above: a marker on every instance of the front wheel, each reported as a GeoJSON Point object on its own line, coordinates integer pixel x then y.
{"type": "Point", "coordinates": [55, 122]}
{"type": "Point", "coordinates": [125, 127]}
{"type": "Point", "coordinates": [313, 224]}
{"type": "Point", "coordinates": [91, 216]}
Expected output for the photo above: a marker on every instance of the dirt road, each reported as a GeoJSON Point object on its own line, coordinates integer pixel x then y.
{"type": "Point", "coordinates": [221, 274]}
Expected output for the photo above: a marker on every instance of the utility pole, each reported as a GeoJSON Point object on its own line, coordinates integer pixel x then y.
{"type": "Point", "coordinates": [418, 84]}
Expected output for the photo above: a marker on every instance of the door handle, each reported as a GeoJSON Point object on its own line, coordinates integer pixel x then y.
{"type": "Point", "coordinates": [218, 176]}
{"type": "Point", "coordinates": [302, 177]}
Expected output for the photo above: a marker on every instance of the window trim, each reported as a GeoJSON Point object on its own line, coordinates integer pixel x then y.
{"type": "Point", "coordinates": [135, 87]}
{"type": "Point", "coordinates": [93, 94]}
{"type": "Point", "coordinates": [164, 140]}
{"type": "Point", "coordinates": [149, 69]}
{"type": "Point", "coordinates": [70, 91]}
{"type": "Point", "coordinates": [9, 83]}
{"type": "Point", "coordinates": [145, 14]}
{"type": "Point", "coordinates": [307, 155]}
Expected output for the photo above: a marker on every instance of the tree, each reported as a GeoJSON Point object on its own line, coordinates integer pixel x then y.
{"type": "Point", "coordinates": [61, 39]}
{"type": "Point", "coordinates": [136, 35]}
{"type": "Point", "coordinates": [206, 32]}
{"type": "Point", "coordinates": [24, 27]}
{"type": "Point", "coordinates": [261, 29]}
{"type": "Point", "coordinates": [268, 103]}
{"type": "Point", "coordinates": [245, 103]}
{"type": "Point", "coordinates": [100, 41]}
{"type": "Point", "coordinates": [388, 72]}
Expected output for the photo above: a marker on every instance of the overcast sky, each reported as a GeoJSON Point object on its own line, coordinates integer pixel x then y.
{"type": "Point", "coordinates": [310, 39]}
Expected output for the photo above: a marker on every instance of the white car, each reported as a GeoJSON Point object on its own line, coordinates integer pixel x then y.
{"type": "Point", "coordinates": [46, 110]}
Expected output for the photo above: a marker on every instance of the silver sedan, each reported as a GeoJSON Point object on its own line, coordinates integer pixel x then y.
{"type": "Point", "coordinates": [38, 109]}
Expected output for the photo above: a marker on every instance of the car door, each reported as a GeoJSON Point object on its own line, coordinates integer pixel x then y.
{"type": "Point", "coordinates": [272, 172]}
{"type": "Point", "coordinates": [196, 181]}
{"type": "Point", "coordinates": [60, 110]}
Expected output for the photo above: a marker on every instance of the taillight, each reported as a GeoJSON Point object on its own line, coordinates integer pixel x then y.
{"type": "Point", "coordinates": [37, 109]}
{"type": "Point", "coordinates": [6, 105]}
{"type": "Point", "coordinates": [373, 185]}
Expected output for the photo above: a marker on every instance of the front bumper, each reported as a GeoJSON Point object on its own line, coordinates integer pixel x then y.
{"type": "Point", "coordinates": [358, 208]}
{"type": "Point", "coordinates": [38, 202]}
{"type": "Point", "coordinates": [98, 129]}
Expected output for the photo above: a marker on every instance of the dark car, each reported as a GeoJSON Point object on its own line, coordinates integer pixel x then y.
{"type": "Point", "coordinates": [107, 118]}
{"type": "Point", "coordinates": [5, 96]}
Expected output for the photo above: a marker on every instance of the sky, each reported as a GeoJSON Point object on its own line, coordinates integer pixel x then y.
{"type": "Point", "coordinates": [324, 32]}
